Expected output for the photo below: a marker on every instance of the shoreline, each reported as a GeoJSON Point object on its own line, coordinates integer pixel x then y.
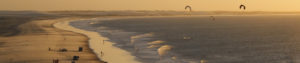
{"type": "Point", "coordinates": [135, 43]}
{"type": "Point", "coordinates": [105, 51]}
{"type": "Point", "coordinates": [39, 42]}
{"type": "Point", "coordinates": [216, 57]}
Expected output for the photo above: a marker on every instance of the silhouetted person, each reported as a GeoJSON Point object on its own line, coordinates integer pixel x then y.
{"type": "Point", "coordinates": [75, 57]}
{"type": "Point", "coordinates": [55, 61]}
{"type": "Point", "coordinates": [63, 50]}
{"type": "Point", "coordinates": [102, 54]}
{"type": "Point", "coordinates": [80, 49]}
{"type": "Point", "coordinates": [103, 42]}
{"type": "Point", "coordinates": [49, 49]}
{"type": "Point", "coordinates": [73, 61]}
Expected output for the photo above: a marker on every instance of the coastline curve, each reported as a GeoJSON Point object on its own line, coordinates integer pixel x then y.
{"type": "Point", "coordinates": [106, 52]}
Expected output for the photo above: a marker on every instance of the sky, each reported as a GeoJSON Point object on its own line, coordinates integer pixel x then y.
{"type": "Point", "coordinates": [178, 5]}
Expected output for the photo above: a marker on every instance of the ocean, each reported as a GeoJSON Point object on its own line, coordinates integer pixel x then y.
{"type": "Point", "coordinates": [203, 39]}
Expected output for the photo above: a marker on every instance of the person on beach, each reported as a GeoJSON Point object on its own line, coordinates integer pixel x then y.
{"type": "Point", "coordinates": [75, 58]}
{"type": "Point", "coordinates": [102, 54]}
{"type": "Point", "coordinates": [55, 61]}
{"type": "Point", "coordinates": [49, 49]}
{"type": "Point", "coordinates": [103, 42]}
{"type": "Point", "coordinates": [73, 61]}
{"type": "Point", "coordinates": [80, 49]}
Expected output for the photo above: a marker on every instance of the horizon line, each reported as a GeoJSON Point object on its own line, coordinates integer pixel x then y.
{"type": "Point", "coordinates": [148, 10]}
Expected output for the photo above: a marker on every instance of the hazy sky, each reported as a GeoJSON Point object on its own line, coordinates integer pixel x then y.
{"type": "Point", "coordinates": [198, 5]}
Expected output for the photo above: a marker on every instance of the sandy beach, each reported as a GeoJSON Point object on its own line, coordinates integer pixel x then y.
{"type": "Point", "coordinates": [101, 46]}
{"type": "Point", "coordinates": [115, 40]}
{"type": "Point", "coordinates": [36, 37]}
{"type": "Point", "coordinates": [149, 31]}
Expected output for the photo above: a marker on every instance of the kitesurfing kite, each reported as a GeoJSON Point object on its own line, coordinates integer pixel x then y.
{"type": "Point", "coordinates": [242, 7]}
{"type": "Point", "coordinates": [188, 7]}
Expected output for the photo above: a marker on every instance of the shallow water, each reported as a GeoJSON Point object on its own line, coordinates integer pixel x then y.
{"type": "Point", "coordinates": [227, 39]}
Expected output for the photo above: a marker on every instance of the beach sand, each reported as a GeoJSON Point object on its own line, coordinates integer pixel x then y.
{"type": "Point", "coordinates": [36, 37]}
{"type": "Point", "coordinates": [111, 53]}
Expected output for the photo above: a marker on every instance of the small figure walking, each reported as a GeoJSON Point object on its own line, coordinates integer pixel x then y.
{"type": "Point", "coordinates": [75, 58]}
{"type": "Point", "coordinates": [102, 54]}
{"type": "Point", "coordinates": [80, 49]}
{"type": "Point", "coordinates": [103, 42]}
{"type": "Point", "coordinates": [105, 62]}
{"type": "Point", "coordinates": [49, 49]}
{"type": "Point", "coordinates": [73, 61]}
{"type": "Point", "coordinates": [55, 61]}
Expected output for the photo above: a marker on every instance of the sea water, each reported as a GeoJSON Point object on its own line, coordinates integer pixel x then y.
{"type": "Point", "coordinates": [204, 39]}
